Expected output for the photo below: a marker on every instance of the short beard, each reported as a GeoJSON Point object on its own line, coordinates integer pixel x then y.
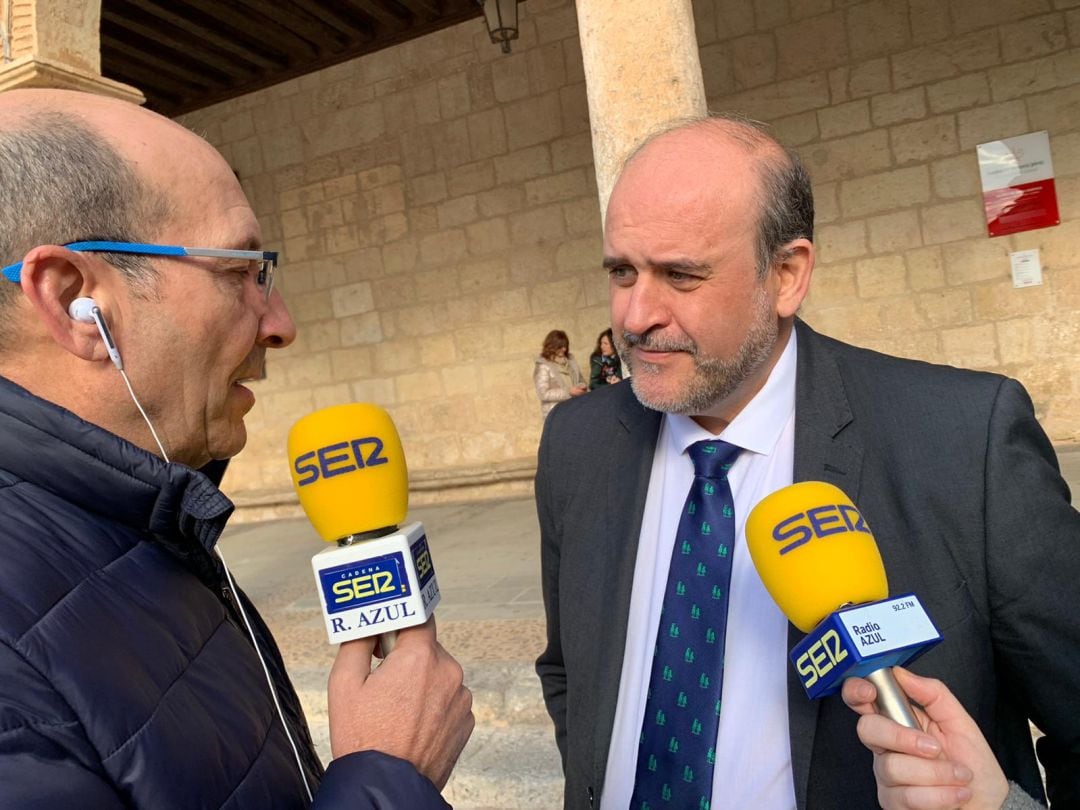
{"type": "Point", "coordinates": [714, 378]}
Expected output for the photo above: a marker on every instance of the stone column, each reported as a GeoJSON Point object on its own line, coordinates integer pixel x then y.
{"type": "Point", "coordinates": [641, 70]}
{"type": "Point", "coordinates": [55, 43]}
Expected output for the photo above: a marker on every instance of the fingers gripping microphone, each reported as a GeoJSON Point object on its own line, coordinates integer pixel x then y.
{"type": "Point", "coordinates": [85, 310]}
{"type": "Point", "coordinates": [819, 561]}
{"type": "Point", "coordinates": [349, 471]}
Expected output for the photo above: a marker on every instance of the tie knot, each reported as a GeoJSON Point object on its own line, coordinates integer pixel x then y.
{"type": "Point", "coordinates": [713, 458]}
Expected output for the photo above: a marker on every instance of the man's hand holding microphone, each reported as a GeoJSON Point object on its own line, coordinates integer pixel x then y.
{"type": "Point", "coordinates": [413, 706]}
{"type": "Point", "coordinates": [946, 764]}
{"type": "Point", "coordinates": [377, 588]}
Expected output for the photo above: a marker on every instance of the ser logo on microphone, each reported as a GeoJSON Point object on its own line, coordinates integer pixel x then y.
{"type": "Point", "coordinates": [821, 521]}
{"type": "Point", "coordinates": [820, 658]}
{"type": "Point", "coordinates": [338, 459]}
{"type": "Point", "coordinates": [364, 583]}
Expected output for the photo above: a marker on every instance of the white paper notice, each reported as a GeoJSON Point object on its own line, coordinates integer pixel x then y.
{"type": "Point", "coordinates": [1026, 268]}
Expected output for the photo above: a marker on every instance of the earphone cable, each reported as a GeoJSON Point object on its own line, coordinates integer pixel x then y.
{"type": "Point", "coordinates": [266, 671]}
{"type": "Point", "coordinates": [243, 613]}
{"type": "Point", "coordinates": [146, 418]}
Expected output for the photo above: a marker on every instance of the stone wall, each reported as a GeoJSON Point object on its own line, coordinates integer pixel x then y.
{"type": "Point", "coordinates": [437, 211]}
{"type": "Point", "coordinates": [886, 101]}
{"type": "Point", "coordinates": [436, 207]}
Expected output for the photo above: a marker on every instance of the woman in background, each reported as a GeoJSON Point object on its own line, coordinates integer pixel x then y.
{"type": "Point", "coordinates": [556, 373]}
{"type": "Point", "coordinates": [605, 367]}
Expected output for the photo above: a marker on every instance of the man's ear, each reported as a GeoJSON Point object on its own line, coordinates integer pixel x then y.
{"type": "Point", "coordinates": [53, 277]}
{"type": "Point", "coordinates": [793, 274]}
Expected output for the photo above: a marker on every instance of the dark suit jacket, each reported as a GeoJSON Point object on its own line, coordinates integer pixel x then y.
{"type": "Point", "coordinates": [962, 490]}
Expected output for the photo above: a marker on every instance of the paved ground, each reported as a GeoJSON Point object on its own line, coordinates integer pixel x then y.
{"type": "Point", "coordinates": [486, 556]}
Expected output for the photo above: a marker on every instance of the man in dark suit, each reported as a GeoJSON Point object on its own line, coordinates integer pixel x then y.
{"type": "Point", "coordinates": [708, 244]}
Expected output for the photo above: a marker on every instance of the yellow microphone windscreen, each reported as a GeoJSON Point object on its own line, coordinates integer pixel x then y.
{"type": "Point", "coordinates": [349, 470]}
{"type": "Point", "coordinates": [814, 552]}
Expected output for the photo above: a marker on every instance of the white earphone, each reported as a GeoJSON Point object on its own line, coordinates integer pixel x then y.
{"type": "Point", "coordinates": [82, 309]}
{"type": "Point", "coordinates": [86, 310]}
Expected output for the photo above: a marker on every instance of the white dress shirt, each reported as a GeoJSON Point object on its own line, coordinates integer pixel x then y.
{"type": "Point", "coordinates": [753, 750]}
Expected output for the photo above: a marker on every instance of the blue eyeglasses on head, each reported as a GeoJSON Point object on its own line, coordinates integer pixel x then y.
{"type": "Point", "coordinates": [264, 278]}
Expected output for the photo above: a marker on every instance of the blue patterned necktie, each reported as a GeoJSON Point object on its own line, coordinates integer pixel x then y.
{"type": "Point", "coordinates": [682, 709]}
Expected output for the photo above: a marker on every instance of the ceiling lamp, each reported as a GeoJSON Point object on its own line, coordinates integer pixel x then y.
{"type": "Point", "coordinates": [502, 21]}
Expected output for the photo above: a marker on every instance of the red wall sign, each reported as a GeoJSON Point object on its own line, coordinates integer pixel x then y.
{"type": "Point", "coordinates": [1018, 184]}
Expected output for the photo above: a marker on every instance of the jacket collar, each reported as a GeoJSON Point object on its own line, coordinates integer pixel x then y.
{"type": "Point", "coordinates": [97, 471]}
{"type": "Point", "coordinates": [822, 412]}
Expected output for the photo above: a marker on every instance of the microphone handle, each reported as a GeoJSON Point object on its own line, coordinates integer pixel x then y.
{"type": "Point", "coordinates": [891, 700]}
{"type": "Point", "coordinates": [388, 639]}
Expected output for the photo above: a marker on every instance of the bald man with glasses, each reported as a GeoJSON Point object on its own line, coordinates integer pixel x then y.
{"type": "Point", "coordinates": [133, 672]}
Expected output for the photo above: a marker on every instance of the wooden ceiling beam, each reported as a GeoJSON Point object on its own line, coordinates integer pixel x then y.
{"type": "Point", "coordinates": [429, 9]}
{"type": "Point", "coordinates": [393, 17]}
{"type": "Point", "coordinates": [141, 74]}
{"type": "Point", "coordinates": [147, 39]}
{"type": "Point", "coordinates": [161, 61]}
{"type": "Point", "coordinates": [235, 22]}
{"type": "Point", "coordinates": [332, 16]}
{"type": "Point", "coordinates": [299, 21]}
{"type": "Point", "coordinates": [167, 22]}
{"type": "Point", "coordinates": [147, 80]}
{"type": "Point", "coordinates": [187, 54]}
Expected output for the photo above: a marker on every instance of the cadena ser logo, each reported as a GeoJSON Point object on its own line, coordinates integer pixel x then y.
{"type": "Point", "coordinates": [819, 659]}
{"type": "Point", "coordinates": [821, 521]}
{"type": "Point", "coordinates": [363, 583]}
{"type": "Point", "coordinates": [338, 459]}
{"type": "Point", "coordinates": [422, 558]}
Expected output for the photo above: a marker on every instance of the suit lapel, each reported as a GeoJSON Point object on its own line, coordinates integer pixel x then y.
{"type": "Point", "coordinates": [629, 467]}
{"type": "Point", "coordinates": [824, 451]}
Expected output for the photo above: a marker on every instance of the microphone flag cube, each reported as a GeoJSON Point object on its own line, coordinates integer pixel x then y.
{"type": "Point", "coordinates": [862, 639]}
{"type": "Point", "coordinates": [374, 586]}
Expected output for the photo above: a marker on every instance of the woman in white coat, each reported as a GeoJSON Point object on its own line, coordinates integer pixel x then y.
{"type": "Point", "coordinates": [556, 374]}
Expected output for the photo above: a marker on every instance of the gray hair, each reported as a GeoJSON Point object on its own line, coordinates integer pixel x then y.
{"type": "Point", "coordinates": [786, 196]}
{"type": "Point", "coordinates": [62, 182]}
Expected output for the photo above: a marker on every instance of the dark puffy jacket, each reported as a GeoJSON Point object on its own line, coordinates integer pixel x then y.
{"type": "Point", "coordinates": [126, 677]}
